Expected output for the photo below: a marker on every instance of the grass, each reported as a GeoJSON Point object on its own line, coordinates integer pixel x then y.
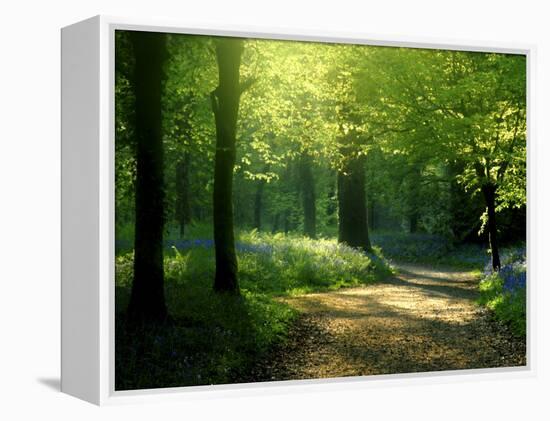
{"type": "Point", "coordinates": [218, 338]}
{"type": "Point", "coordinates": [504, 292]}
{"type": "Point", "coordinates": [290, 264]}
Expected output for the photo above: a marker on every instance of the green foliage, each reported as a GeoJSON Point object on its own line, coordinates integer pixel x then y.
{"type": "Point", "coordinates": [505, 292]}
{"type": "Point", "coordinates": [430, 249]}
{"type": "Point", "coordinates": [213, 339]}
{"type": "Point", "coordinates": [291, 264]}
{"type": "Point", "coordinates": [508, 307]}
{"type": "Point", "coordinates": [217, 338]}
{"type": "Point", "coordinates": [432, 126]}
{"type": "Point", "coordinates": [462, 110]}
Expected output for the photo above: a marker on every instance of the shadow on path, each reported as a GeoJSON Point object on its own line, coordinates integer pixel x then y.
{"type": "Point", "coordinates": [421, 319]}
{"type": "Point", "coordinates": [451, 284]}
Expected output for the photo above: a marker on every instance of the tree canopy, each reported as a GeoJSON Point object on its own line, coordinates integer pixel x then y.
{"type": "Point", "coordinates": [332, 139]}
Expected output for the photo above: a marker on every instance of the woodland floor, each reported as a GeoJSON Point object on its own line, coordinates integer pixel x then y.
{"type": "Point", "coordinates": [421, 319]}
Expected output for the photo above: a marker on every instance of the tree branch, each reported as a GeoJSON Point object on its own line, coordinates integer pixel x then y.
{"type": "Point", "coordinates": [502, 169]}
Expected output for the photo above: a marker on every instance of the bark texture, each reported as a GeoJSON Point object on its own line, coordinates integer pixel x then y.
{"type": "Point", "coordinates": [489, 193]}
{"type": "Point", "coordinates": [352, 208]}
{"type": "Point", "coordinates": [225, 104]}
{"type": "Point", "coordinates": [147, 303]}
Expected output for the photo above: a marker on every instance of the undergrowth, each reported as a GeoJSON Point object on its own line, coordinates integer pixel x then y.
{"type": "Point", "coordinates": [430, 249]}
{"type": "Point", "coordinates": [504, 292]}
{"type": "Point", "coordinates": [217, 338]}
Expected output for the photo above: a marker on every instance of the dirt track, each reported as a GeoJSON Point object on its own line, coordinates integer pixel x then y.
{"type": "Point", "coordinates": [419, 320]}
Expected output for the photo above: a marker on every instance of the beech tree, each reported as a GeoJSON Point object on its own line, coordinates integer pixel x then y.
{"type": "Point", "coordinates": [225, 105]}
{"type": "Point", "coordinates": [147, 297]}
{"type": "Point", "coordinates": [463, 109]}
{"type": "Point", "coordinates": [308, 195]}
{"type": "Point", "coordinates": [328, 140]}
{"type": "Point", "coordinates": [352, 144]}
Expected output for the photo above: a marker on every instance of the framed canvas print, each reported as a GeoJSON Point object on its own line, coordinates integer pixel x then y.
{"type": "Point", "coordinates": [246, 209]}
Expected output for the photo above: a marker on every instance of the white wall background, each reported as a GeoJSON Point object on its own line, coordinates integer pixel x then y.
{"type": "Point", "coordinates": [30, 222]}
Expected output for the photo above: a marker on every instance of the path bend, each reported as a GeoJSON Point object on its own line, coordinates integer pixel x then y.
{"type": "Point", "coordinates": [420, 320]}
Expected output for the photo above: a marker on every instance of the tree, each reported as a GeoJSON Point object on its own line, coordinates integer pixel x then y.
{"type": "Point", "coordinates": [352, 144]}
{"type": "Point", "coordinates": [183, 208]}
{"type": "Point", "coordinates": [124, 132]}
{"type": "Point", "coordinates": [488, 129]}
{"type": "Point", "coordinates": [463, 109]}
{"type": "Point", "coordinates": [496, 132]}
{"type": "Point", "coordinates": [352, 204]}
{"type": "Point", "coordinates": [307, 186]}
{"type": "Point", "coordinates": [147, 297]}
{"type": "Point", "coordinates": [188, 129]}
{"type": "Point", "coordinates": [225, 105]}
{"type": "Point", "coordinates": [258, 200]}
{"type": "Point", "coordinates": [287, 119]}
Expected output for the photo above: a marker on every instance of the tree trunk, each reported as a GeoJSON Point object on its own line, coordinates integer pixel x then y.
{"type": "Point", "coordinates": [489, 192]}
{"type": "Point", "coordinates": [258, 205]}
{"type": "Point", "coordinates": [413, 194]}
{"type": "Point", "coordinates": [308, 196]}
{"type": "Point", "coordinates": [371, 215]}
{"type": "Point", "coordinates": [183, 209]}
{"type": "Point", "coordinates": [225, 104]}
{"type": "Point", "coordinates": [275, 227]}
{"type": "Point", "coordinates": [147, 302]}
{"type": "Point", "coordinates": [352, 209]}
{"type": "Point", "coordinates": [413, 223]}
{"type": "Point", "coordinates": [286, 221]}
{"type": "Point", "coordinates": [258, 201]}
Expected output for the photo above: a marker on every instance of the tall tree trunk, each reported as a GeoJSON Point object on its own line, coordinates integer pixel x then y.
{"type": "Point", "coordinates": [286, 221]}
{"type": "Point", "coordinates": [225, 104]}
{"type": "Point", "coordinates": [371, 215]}
{"type": "Point", "coordinates": [147, 297]}
{"type": "Point", "coordinates": [413, 222]}
{"type": "Point", "coordinates": [258, 205]}
{"type": "Point", "coordinates": [258, 201]}
{"type": "Point", "coordinates": [283, 217]}
{"type": "Point", "coordinates": [275, 226]}
{"type": "Point", "coordinates": [352, 209]}
{"type": "Point", "coordinates": [489, 192]}
{"type": "Point", "coordinates": [183, 209]}
{"type": "Point", "coordinates": [413, 193]}
{"type": "Point", "coordinates": [308, 196]}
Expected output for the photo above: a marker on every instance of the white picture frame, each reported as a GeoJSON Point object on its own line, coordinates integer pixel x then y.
{"type": "Point", "coordinates": [88, 213]}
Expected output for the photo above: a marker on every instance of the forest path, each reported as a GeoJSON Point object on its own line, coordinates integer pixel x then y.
{"type": "Point", "coordinates": [421, 319]}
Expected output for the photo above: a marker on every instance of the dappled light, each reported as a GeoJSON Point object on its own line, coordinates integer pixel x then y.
{"type": "Point", "coordinates": [301, 210]}
{"type": "Point", "coordinates": [398, 326]}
